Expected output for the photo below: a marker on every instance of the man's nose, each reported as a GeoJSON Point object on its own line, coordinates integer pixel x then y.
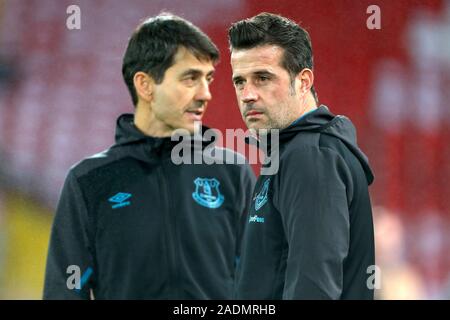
{"type": "Point", "coordinates": [203, 93]}
{"type": "Point", "coordinates": [249, 94]}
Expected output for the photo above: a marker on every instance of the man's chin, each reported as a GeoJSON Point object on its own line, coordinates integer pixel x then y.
{"type": "Point", "coordinates": [256, 125]}
{"type": "Point", "coordinates": [192, 128]}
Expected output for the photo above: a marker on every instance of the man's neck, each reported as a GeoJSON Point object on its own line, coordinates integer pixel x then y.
{"type": "Point", "coordinates": [146, 121]}
{"type": "Point", "coordinates": [310, 103]}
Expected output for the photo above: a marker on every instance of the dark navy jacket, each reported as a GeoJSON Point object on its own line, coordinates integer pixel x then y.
{"type": "Point", "coordinates": [140, 227]}
{"type": "Point", "coordinates": [309, 233]}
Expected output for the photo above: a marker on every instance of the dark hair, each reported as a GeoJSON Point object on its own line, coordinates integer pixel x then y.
{"type": "Point", "coordinates": [154, 43]}
{"type": "Point", "coordinates": [271, 29]}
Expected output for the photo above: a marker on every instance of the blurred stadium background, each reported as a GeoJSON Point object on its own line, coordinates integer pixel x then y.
{"type": "Point", "coordinates": [61, 91]}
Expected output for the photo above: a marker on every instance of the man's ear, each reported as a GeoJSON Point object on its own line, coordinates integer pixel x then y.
{"type": "Point", "coordinates": [143, 84]}
{"type": "Point", "coordinates": [305, 80]}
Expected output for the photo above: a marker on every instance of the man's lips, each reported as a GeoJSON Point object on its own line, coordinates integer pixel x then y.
{"type": "Point", "coordinates": [253, 113]}
{"type": "Point", "coordinates": [195, 114]}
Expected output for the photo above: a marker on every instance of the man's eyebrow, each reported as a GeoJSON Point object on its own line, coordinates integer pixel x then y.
{"type": "Point", "coordinates": [237, 77]}
{"type": "Point", "coordinates": [196, 72]}
{"type": "Point", "coordinates": [263, 72]}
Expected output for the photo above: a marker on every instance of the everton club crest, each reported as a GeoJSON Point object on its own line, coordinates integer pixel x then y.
{"type": "Point", "coordinates": [261, 198]}
{"type": "Point", "coordinates": [207, 193]}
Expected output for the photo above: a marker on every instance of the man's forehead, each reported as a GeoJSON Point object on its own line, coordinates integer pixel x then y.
{"type": "Point", "coordinates": [184, 60]}
{"type": "Point", "coordinates": [267, 56]}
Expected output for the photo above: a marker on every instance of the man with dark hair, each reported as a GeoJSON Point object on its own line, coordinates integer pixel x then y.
{"type": "Point", "coordinates": [130, 224]}
{"type": "Point", "coordinates": [310, 232]}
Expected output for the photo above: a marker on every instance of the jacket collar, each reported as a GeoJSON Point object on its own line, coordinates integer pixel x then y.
{"type": "Point", "coordinates": [147, 148]}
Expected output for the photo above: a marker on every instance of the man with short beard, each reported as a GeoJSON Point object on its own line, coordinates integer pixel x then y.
{"type": "Point", "coordinates": [310, 232]}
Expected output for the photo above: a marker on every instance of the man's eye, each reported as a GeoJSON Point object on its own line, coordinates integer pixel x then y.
{"type": "Point", "coordinates": [263, 78]}
{"type": "Point", "coordinates": [210, 80]}
{"type": "Point", "coordinates": [238, 83]}
{"type": "Point", "coordinates": [190, 80]}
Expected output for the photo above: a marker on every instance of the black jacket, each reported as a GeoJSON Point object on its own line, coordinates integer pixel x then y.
{"type": "Point", "coordinates": [140, 227]}
{"type": "Point", "coordinates": [309, 234]}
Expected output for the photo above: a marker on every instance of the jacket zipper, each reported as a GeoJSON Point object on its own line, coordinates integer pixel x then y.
{"type": "Point", "coordinates": [171, 238]}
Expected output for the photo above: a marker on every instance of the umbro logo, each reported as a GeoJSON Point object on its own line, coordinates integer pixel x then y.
{"type": "Point", "coordinates": [120, 200]}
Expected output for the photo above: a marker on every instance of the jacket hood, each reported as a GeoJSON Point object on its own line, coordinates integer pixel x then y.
{"type": "Point", "coordinates": [323, 121]}
{"type": "Point", "coordinates": [146, 147]}
{"type": "Point", "coordinates": [127, 133]}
